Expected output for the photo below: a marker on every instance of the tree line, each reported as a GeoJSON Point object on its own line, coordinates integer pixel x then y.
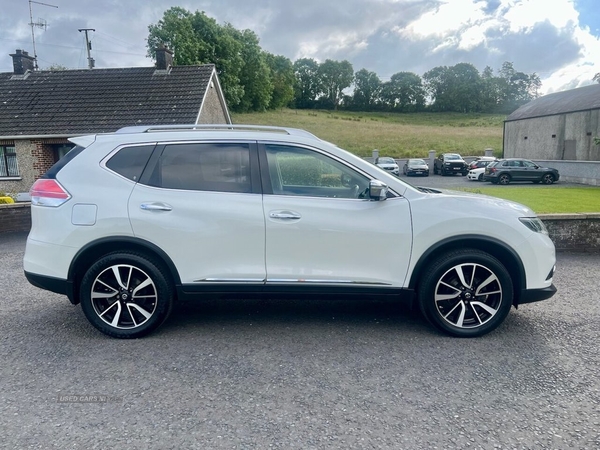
{"type": "Point", "coordinates": [256, 80]}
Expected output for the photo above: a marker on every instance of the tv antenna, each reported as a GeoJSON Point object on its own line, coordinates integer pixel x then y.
{"type": "Point", "coordinates": [41, 23]}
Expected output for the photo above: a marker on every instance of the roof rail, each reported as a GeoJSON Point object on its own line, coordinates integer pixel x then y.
{"type": "Point", "coordinates": [214, 127]}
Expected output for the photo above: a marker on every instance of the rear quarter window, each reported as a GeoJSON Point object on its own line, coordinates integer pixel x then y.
{"type": "Point", "coordinates": [62, 162]}
{"type": "Point", "coordinates": [130, 161]}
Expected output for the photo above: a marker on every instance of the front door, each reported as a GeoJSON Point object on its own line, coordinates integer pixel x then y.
{"type": "Point", "coordinates": [321, 227]}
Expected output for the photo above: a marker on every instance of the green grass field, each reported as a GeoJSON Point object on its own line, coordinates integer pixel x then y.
{"type": "Point", "coordinates": [548, 200]}
{"type": "Point", "coordinates": [413, 135]}
{"type": "Point", "coordinates": [396, 135]}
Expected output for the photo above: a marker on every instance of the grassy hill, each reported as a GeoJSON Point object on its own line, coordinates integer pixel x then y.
{"type": "Point", "coordinates": [397, 135]}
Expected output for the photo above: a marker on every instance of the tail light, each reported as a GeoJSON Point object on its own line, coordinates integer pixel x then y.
{"type": "Point", "coordinates": [48, 192]}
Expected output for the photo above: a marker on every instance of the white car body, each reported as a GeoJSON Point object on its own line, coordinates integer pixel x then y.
{"type": "Point", "coordinates": [388, 164]}
{"type": "Point", "coordinates": [262, 241]}
{"type": "Point", "coordinates": [476, 174]}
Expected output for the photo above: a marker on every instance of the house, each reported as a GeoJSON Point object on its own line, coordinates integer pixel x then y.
{"type": "Point", "coordinates": [559, 126]}
{"type": "Point", "coordinates": [40, 110]}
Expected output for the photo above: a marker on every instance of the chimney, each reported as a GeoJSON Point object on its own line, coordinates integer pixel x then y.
{"type": "Point", "coordinates": [164, 58]}
{"type": "Point", "coordinates": [22, 62]}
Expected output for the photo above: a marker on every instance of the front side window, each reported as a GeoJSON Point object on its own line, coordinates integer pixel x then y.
{"type": "Point", "coordinates": [8, 161]}
{"type": "Point", "coordinates": [223, 167]}
{"type": "Point", "coordinates": [303, 172]}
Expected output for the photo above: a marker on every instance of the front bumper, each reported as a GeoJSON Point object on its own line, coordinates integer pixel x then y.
{"type": "Point", "coordinates": [536, 295]}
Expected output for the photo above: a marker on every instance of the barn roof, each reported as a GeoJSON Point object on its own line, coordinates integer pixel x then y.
{"type": "Point", "coordinates": [580, 99]}
{"type": "Point", "coordinates": [101, 100]}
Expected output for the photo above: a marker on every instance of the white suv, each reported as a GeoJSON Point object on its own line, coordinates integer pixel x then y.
{"type": "Point", "coordinates": [129, 222]}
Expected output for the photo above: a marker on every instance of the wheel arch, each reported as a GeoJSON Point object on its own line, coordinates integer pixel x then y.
{"type": "Point", "coordinates": [91, 252]}
{"type": "Point", "coordinates": [506, 255]}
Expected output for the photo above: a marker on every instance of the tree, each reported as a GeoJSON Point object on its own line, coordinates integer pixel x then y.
{"type": "Point", "coordinates": [307, 86]}
{"type": "Point", "coordinates": [367, 87]}
{"type": "Point", "coordinates": [254, 74]}
{"type": "Point", "coordinates": [517, 88]}
{"type": "Point", "coordinates": [198, 39]}
{"type": "Point", "coordinates": [334, 76]}
{"type": "Point", "coordinates": [282, 76]}
{"type": "Point", "coordinates": [404, 92]}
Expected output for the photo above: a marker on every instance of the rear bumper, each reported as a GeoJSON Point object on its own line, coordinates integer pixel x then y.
{"type": "Point", "coordinates": [537, 295]}
{"type": "Point", "coordinates": [52, 284]}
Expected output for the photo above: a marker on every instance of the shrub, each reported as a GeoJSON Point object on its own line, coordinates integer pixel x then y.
{"type": "Point", "coordinates": [5, 200]}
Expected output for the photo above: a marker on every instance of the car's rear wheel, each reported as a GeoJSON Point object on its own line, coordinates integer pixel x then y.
{"type": "Point", "coordinates": [548, 178]}
{"type": "Point", "coordinates": [504, 179]}
{"type": "Point", "coordinates": [126, 295]}
{"type": "Point", "coordinates": [466, 293]}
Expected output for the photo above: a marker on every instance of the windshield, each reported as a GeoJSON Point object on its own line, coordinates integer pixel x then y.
{"type": "Point", "coordinates": [452, 156]}
{"type": "Point", "coordinates": [386, 161]}
{"type": "Point", "coordinates": [416, 162]}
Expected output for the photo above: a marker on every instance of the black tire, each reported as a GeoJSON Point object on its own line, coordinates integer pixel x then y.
{"type": "Point", "coordinates": [443, 172]}
{"type": "Point", "coordinates": [548, 178]}
{"type": "Point", "coordinates": [504, 179]}
{"type": "Point", "coordinates": [468, 304]}
{"type": "Point", "coordinates": [480, 177]}
{"type": "Point", "coordinates": [435, 171]}
{"type": "Point", "coordinates": [142, 295]}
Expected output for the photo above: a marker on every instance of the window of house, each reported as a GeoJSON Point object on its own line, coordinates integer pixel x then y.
{"type": "Point", "coordinates": [8, 161]}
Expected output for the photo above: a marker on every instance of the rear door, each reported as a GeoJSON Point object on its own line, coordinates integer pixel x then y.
{"type": "Point", "coordinates": [321, 227]}
{"type": "Point", "coordinates": [201, 204]}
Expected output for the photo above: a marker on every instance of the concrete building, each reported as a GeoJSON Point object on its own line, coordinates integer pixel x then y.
{"type": "Point", "coordinates": [559, 126]}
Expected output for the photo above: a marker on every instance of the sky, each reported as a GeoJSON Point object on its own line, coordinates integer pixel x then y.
{"type": "Point", "coordinates": [559, 40]}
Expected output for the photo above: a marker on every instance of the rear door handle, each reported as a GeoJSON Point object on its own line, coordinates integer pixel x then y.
{"type": "Point", "coordinates": [156, 206]}
{"type": "Point", "coordinates": [285, 215]}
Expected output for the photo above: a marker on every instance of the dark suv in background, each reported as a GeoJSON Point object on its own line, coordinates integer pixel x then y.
{"type": "Point", "coordinates": [450, 164]}
{"type": "Point", "coordinates": [506, 170]}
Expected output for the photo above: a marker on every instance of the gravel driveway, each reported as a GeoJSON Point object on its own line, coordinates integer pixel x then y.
{"type": "Point", "coordinates": [300, 374]}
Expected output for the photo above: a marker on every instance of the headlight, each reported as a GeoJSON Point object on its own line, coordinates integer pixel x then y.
{"type": "Point", "coordinates": [534, 224]}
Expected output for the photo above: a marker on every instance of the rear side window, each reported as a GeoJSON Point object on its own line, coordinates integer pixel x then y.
{"type": "Point", "coordinates": [130, 161]}
{"type": "Point", "coordinates": [223, 167]}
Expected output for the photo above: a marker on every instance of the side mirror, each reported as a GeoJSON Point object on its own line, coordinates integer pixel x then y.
{"type": "Point", "coordinates": [377, 190]}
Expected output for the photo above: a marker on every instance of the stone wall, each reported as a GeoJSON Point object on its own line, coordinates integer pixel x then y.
{"type": "Point", "coordinates": [579, 232]}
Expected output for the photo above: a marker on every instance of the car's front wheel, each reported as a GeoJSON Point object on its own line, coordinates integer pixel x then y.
{"type": "Point", "coordinates": [548, 178]}
{"type": "Point", "coordinates": [126, 295]}
{"type": "Point", "coordinates": [480, 177]}
{"type": "Point", "coordinates": [466, 293]}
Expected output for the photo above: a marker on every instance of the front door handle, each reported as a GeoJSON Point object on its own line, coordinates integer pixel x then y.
{"type": "Point", "coordinates": [285, 215]}
{"type": "Point", "coordinates": [156, 206]}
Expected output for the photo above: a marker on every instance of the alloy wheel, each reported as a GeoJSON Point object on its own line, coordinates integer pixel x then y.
{"type": "Point", "coordinates": [124, 296]}
{"type": "Point", "coordinates": [468, 295]}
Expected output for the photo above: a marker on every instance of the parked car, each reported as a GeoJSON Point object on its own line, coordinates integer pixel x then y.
{"type": "Point", "coordinates": [476, 174]}
{"type": "Point", "coordinates": [482, 161]}
{"type": "Point", "coordinates": [450, 164]}
{"type": "Point", "coordinates": [478, 169]}
{"type": "Point", "coordinates": [388, 164]}
{"type": "Point", "coordinates": [416, 167]}
{"type": "Point", "coordinates": [127, 223]}
{"type": "Point", "coordinates": [514, 169]}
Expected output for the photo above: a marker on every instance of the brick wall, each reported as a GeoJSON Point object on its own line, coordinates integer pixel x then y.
{"type": "Point", "coordinates": [15, 217]}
